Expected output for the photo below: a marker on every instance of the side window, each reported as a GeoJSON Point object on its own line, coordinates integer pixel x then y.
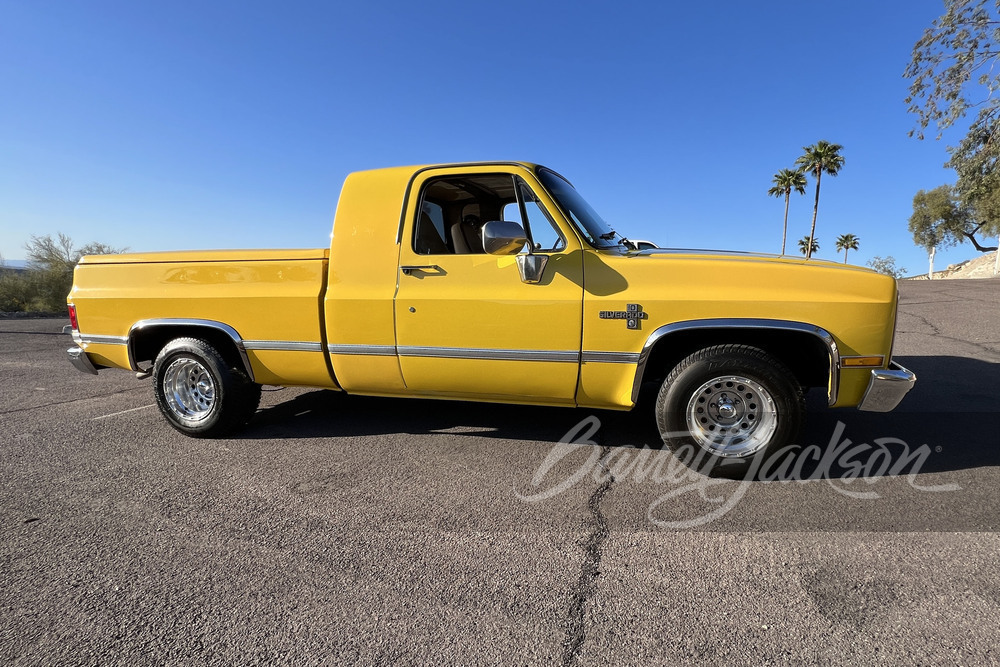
{"type": "Point", "coordinates": [544, 233]}
{"type": "Point", "coordinates": [430, 233]}
{"type": "Point", "coordinates": [453, 210]}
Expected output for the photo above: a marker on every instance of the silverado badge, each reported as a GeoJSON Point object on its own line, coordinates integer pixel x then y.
{"type": "Point", "coordinates": [633, 314]}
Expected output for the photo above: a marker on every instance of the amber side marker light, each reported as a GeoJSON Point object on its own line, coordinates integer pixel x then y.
{"type": "Point", "coordinates": [848, 362]}
{"type": "Point", "coordinates": [72, 318]}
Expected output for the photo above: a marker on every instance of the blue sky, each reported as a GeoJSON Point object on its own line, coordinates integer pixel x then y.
{"type": "Point", "coordinates": [180, 125]}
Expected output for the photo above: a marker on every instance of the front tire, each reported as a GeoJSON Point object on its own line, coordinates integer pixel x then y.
{"type": "Point", "coordinates": [725, 407]}
{"type": "Point", "coordinates": [199, 393]}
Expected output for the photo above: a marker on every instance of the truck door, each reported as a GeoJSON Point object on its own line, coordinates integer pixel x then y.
{"type": "Point", "coordinates": [466, 323]}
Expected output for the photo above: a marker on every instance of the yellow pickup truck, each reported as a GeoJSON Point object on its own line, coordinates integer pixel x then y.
{"type": "Point", "coordinates": [494, 282]}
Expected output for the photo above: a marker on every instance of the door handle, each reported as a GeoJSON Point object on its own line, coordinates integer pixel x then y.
{"type": "Point", "coordinates": [408, 270]}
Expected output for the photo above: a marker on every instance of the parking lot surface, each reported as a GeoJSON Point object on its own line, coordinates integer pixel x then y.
{"type": "Point", "coordinates": [353, 530]}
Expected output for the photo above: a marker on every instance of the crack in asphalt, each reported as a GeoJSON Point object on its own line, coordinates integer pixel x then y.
{"type": "Point", "coordinates": [966, 297]}
{"type": "Point", "coordinates": [981, 346]}
{"type": "Point", "coordinates": [589, 570]}
{"type": "Point", "coordinates": [933, 327]}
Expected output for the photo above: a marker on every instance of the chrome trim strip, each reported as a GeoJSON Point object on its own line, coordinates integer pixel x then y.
{"type": "Point", "coordinates": [886, 388]}
{"type": "Point", "coordinates": [749, 323]}
{"type": "Point", "coordinates": [143, 325]}
{"type": "Point", "coordinates": [459, 353]}
{"type": "Point", "coordinates": [611, 357]}
{"type": "Point", "coordinates": [283, 345]}
{"type": "Point", "coordinates": [369, 350]}
{"type": "Point", "coordinates": [91, 339]}
{"type": "Point", "coordinates": [488, 354]}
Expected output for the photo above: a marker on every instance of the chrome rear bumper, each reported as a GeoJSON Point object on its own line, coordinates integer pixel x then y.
{"type": "Point", "coordinates": [886, 388]}
{"type": "Point", "coordinates": [78, 357]}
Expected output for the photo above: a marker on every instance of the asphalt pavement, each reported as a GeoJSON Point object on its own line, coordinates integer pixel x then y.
{"type": "Point", "coordinates": [353, 530]}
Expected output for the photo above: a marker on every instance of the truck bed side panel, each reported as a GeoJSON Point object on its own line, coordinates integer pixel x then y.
{"type": "Point", "coordinates": [273, 304]}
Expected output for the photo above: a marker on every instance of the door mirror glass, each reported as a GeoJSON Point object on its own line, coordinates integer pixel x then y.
{"type": "Point", "coordinates": [503, 237]}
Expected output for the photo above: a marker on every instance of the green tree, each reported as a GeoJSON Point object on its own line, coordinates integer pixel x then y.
{"type": "Point", "coordinates": [847, 242]}
{"type": "Point", "coordinates": [955, 69]}
{"type": "Point", "coordinates": [48, 254]}
{"type": "Point", "coordinates": [940, 219]}
{"type": "Point", "coordinates": [886, 265]}
{"type": "Point", "coordinates": [978, 187]}
{"type": "Point", "coordinates": [785, 181]}
{"type": "Point", "coordinates": [818, 159]}
{"type": "Point", "coordinates": [807, 246]}
{"type": "Point", "coordinates": [49, 276]}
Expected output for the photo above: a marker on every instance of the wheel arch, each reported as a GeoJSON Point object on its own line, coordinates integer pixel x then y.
{"type": "Point", "coordinates": [809, 351]}
{"type": "Point", "coordinates": [147, 337]}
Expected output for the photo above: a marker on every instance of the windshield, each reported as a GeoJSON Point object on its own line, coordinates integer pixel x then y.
{"type": "Point", "coordinates": [595, 230]}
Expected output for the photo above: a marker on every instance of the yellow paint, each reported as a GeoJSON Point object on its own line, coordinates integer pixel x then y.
{"type": "Point", "coordinates": [111, 356]}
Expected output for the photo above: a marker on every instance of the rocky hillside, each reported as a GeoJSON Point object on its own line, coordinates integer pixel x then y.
{"type": "Point", "coordinates": [977, 267]}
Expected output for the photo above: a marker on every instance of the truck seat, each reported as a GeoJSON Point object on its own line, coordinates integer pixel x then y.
{"type": "Point", "coordinates": [466, 236]}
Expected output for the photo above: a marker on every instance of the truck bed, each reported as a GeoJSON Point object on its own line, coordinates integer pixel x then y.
{"type": "Point", "coordinates": [272, 299]}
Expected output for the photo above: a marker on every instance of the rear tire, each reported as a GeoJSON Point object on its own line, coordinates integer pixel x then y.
{"type": "Point", "coordinates": [199, 393]}
{"type": "Point", "coordinates": [726, 407]}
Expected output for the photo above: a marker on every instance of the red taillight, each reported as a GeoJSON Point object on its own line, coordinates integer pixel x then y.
{"type": "Point", "coordinates": [72, 318]}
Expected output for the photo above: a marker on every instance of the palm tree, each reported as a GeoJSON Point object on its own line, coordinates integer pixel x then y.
{"type": "Point", "coordinates": [818, 159]}
{"type": "Point", "coordinates": [808, 246]}
{"type": "Point", "coordinates": [847, 242]}
{"type": "Point", "coordinates": [785, 181]}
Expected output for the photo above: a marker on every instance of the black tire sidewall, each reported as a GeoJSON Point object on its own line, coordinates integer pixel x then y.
{"type": "Point", "coordinates": [225, 387]}
{"type": "Point", "coordinates": [699, 368]}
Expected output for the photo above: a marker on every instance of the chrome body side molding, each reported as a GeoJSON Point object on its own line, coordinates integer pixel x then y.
{"type": "Point", "coordinates": [283, 345]}
{"type": "Point", "coordinates": [494, 355]}
{"type": "Point", "coordinates": [562, 356]}
{"type": "Point", "coordinates": [749, 323]}
{"type": "Point", "coordinates": [88, 339]}
{"type": "Point", "coordinates": [610, 357]}
{"type": "Point", "coordinates": [369, 350]}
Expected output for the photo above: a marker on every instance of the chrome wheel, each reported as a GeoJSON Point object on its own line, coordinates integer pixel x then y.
{"type": "Point", "coordinates": [189, 389]}
{"type": "Point", "coordinates": [731, 416]}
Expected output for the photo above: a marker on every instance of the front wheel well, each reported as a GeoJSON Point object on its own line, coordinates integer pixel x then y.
{"type": "Point", "coordinates": [805, 354]}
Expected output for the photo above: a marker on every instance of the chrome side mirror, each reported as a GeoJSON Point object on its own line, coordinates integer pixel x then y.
{"type": "Point", "coordinates": [503, 237]}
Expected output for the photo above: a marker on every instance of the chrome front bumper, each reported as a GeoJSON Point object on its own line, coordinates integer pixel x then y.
{"type": "Point", "coordinates": [886, 388]}
{"type": "Point", "coordinates": [78, 357]}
